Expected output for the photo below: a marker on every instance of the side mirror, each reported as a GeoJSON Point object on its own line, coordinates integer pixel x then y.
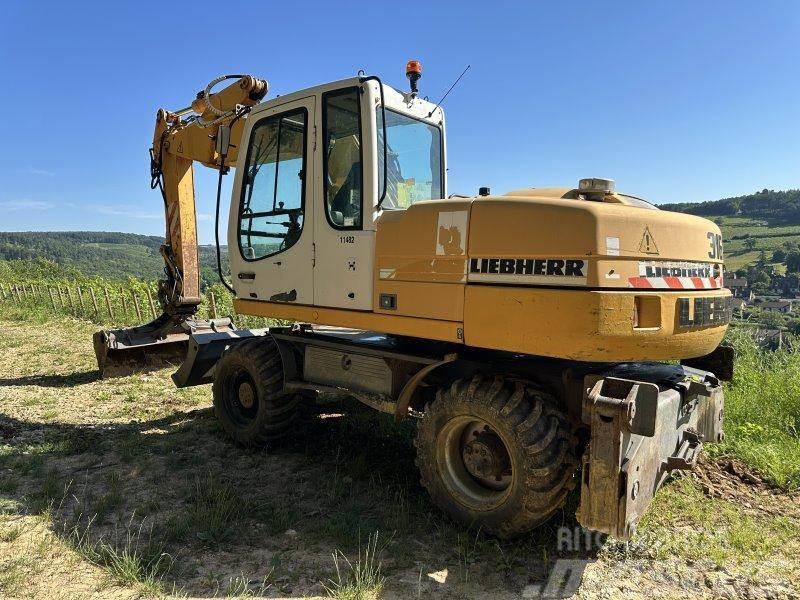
{"type": "Point", "coordinates": [223, 140]}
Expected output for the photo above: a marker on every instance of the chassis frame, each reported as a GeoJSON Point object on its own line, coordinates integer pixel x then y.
{"type": "Point", "coordinates": [639, 421]}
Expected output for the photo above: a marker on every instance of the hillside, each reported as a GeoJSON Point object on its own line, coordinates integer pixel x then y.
{"type": "Point", "coordinates": [110, 255]}
{"type": "Point", "coordinates": [765, 221]}
{"type": "Point", "coordinates": [771, 205]}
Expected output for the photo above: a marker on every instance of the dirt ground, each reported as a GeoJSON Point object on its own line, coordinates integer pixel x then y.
{"type": "Point", "coordinates": [128, 488]}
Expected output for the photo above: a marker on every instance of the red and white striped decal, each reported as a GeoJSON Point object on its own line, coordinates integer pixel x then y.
{"type": "Point", "coordinates": [676, 283]}
{"type": "Point", "coordinates": [677, 275]}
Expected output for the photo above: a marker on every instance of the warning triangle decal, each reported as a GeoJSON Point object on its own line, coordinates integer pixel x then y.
{"type": "Point", "coordinates": [648, 244]}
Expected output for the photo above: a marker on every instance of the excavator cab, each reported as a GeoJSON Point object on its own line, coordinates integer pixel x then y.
{"type": "Point", "coordinates": [313, 171]}
{"type": "Point", "coordinates": [319, 154]}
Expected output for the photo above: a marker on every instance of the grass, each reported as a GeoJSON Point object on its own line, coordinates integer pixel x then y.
{"type": "Point", "coordinates": [244, 587]}
{"type": "Point", "coordinates": [762, 411]}
{"type": "Point", "coordinates": [214, 509]}
{"type": "Point", "coordinates": [361, 580]}
{"type": "Point", "coordinates": [132, 559]}
{"type": "Point", "coordinates": [685, 522]}
{"type": "Point", "coordinates": [86, 462]}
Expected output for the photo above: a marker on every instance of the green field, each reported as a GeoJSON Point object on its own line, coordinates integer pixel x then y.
{"type": "Point", "coordinates": [768, 236]}
{"type": "Point", "coordinates": [769, 217]}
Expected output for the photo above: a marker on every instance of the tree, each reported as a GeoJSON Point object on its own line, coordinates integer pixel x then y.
{"type": "Point", "coordinates": [771, 319]}
{"type": "Point", "coordinates": [793, 261]}
{"type": "Point", "coordinates": [750, 243]}
{"type": "Point", "coordinates": [778, 255]}
{"type": "Point", "coordinates": [794, 326]}
{"type": "Point", "coordinates": [763, 277]}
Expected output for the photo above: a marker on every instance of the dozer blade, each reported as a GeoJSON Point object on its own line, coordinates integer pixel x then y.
{"type": "Point", "coordinates": [205, 347]}
{"type": "Point", "coordinates": [158, 344]}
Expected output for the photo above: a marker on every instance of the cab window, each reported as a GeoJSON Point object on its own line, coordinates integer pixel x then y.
{"type": "Point", "coordinates": [271, 207]}
{"type": "Point", "coordinates": [342, 169]}
{"type": "Point", "coordinates": [413, 161]}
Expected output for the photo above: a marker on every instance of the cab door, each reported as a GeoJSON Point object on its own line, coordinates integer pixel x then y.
{"type": "Point", "coordinates": [270, 231]}
{"type": "Point", "coordinates": [344, 232]}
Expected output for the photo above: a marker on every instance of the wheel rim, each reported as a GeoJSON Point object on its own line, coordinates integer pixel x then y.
{"type": "Point", "coordinates": [474, 462]}
{"type": "Point", "coordinates": [240, 398]}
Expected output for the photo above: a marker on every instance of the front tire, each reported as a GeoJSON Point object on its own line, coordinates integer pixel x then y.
{"type": "Point", "coordinates": [248, 393]}
{"type": "Point", "coordinates": [496, 454]}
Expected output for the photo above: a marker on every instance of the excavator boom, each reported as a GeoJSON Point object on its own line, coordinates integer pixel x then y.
{"type": "Point", "coordinates": [207, 132]}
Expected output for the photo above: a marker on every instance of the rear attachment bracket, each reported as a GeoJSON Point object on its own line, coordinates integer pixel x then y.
{"type": "Point", "coordinates": [639, 434]}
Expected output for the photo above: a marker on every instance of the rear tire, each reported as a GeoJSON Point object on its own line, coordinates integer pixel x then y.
{"type": "Point", "coordinates": [248, 393]}
{"type": "Point", "coordinates": [496, 454]}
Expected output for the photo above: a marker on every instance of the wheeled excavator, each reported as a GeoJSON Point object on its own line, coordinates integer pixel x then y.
{"type": "Point", "coordinates": [544, 340]}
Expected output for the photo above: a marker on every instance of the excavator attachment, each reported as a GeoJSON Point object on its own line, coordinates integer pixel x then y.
{"type": "Point", "coordinates": [194, 345]}
{"type": "Point", "coordinates": [160, 343]}
{"type": "Point", "coordinates": [210, 137]}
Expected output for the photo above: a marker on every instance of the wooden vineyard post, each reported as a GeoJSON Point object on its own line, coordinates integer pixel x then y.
{"type": "Point", "coordinates": [108, 303]}
{"type": "Point", "coordinates": [3, 291]}
{"type": "Point", "coordinates": [60, 296]}
{"type": "Point", "coordinates": [52, 298]}
{"type": "Point", "coordinates": [152, 304]}
{"type": "Point", "coordinates": [212, 305]}
{"type": "Point", "coordinates": [94, 302]}
{"type": "Point", "coordinates": [80, 297]}
{"type": "Point", "coordinates": [69, 297]}
{"type": "Point", "coordinates": [124, 304]}
{"type": "Point", "coordinates": [136, 305]}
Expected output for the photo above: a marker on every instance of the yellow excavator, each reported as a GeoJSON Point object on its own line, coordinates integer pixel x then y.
{"type": "Point", "coordinates": [543, 340]}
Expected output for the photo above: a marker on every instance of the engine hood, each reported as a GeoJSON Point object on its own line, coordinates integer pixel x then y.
{"type": "Point", "coordinates": [609, 243]}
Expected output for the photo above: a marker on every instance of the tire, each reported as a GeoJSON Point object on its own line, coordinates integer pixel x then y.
{"type": "Point", "coordinates": [507, 494]}
{"type": "Point", "coordinates": [248, 393]}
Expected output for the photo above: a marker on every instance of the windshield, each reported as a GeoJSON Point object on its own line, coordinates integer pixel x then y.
{"type": "Point", "coordinates": [638, 202]}
{"type": "Point", "coordinates": [414, 160]}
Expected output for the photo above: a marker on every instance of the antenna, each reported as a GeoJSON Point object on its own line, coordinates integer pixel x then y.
{"type": "Point", "coordinates": [439, 103]}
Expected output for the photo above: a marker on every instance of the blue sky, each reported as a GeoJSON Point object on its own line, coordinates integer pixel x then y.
{"type": "Point", "coordinates": [677, 101]}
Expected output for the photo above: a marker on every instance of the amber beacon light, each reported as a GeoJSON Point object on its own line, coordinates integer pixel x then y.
{"type": "Point", "coordinates": [413, 72]}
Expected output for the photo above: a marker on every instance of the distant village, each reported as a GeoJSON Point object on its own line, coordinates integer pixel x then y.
{"type": "Point", "coordinates": [767, 299]}
{"type": "Point", "coordinates": [778, 298]}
